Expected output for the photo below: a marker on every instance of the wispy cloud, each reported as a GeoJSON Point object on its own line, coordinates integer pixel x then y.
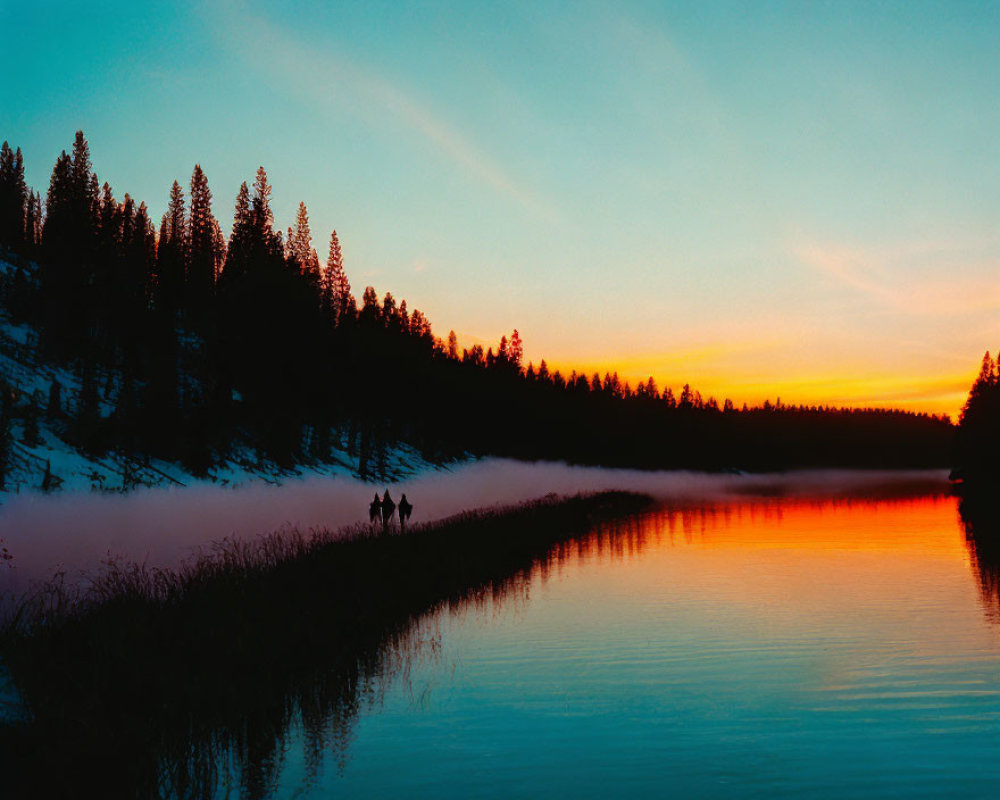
{"type": "Point", "coordinates": [893, 280]}
{"type": "Point", "coordinates": [329, 77]}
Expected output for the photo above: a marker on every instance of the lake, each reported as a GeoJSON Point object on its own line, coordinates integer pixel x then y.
{"type": "Point", "coordinates": [770, 647]}
{"type": "Point", "coordinates": [818, 635]}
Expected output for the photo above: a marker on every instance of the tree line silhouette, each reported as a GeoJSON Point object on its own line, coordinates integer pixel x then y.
{"type": "Point", "coordinates": [188, 347]}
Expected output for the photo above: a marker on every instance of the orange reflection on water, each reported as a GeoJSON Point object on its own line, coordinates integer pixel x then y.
{"type": "Point", "coordinates": [925, 525]}
{"type": "Point", "coordinates": [795, 566]}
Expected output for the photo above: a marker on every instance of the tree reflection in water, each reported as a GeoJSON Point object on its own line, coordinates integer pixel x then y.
{"type": "Point", "coordinates": [199, 687]}
{"type": "Point", "coordinates": [980, 515]}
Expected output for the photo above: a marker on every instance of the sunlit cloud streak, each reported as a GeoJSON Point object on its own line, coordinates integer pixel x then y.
{"type": "Point", "coordinates": [333, 76]}
{"type": "Point", "coordinates": [885, 278]}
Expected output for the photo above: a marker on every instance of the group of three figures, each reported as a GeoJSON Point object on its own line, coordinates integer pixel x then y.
{"type": "Point", "coordinates": [381, 510]}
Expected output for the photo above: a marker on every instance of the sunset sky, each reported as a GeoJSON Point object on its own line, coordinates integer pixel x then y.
{"type": "Point", "coordinates": [800, 200]}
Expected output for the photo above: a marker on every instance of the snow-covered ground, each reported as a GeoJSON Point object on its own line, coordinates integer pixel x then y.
{"type": "Point", "coordinates": [75, 471]}
{"type": "Point", "coordinates": [163, 525]}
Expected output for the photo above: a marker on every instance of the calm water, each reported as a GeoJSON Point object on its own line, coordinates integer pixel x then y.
{"type": "Point", "coordinates": [758, 648]}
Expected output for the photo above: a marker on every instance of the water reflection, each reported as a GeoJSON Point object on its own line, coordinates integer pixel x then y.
{"type": "Point", "coordinates": [286, 714]}
{"type": "Point", "coordinates": [980, 517]}
{"type": "Point", "coordinates": [207, 694]}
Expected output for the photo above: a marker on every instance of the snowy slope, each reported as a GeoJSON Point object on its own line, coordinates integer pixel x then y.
{"type": "Point", "coordinates": [73, 470]}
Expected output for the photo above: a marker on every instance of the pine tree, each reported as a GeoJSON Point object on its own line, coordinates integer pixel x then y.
{"type": "Point", "coordinates": [336, 287]}
{"type": "Point", "coordinates": [515, 350]}
{"type": "Point", "coordinates": [218, 248]}
{"type": "Point", "coordinates": [68, 251]}
{"type": "Point", "coordinates": [261, 215]}
{"type": "Point", "coordinates": [204, 254]}
{"type": "Point", "coordinates": [371, 312]}
{"type": "Point", "coordinates": [85, 204]}
{"type": "Point", "coordinates": [140, 264]}
{"type": "Point", "coordinates": [82, 170]}
{"type": "Point", "coordinates": [301, 249]}
{"type": "Point", "coordinates": [238, 252]}
{"type": "Point", "coordinates": [106, 271]}
{"type": "Point", "coordinates": [389, 313]}
{"type": "Point", "coordinates": [502, 355]}
{"type": "Point", "coordinates": [33, 221]}
{"type": "Point", "coordinates": [13, 197]}
{"type": "Point", "coordinates": [403, 317]}
{"type": "Point", "coordinates": [420, 327]}
{"type": "Point", "coordinates": [57, 207]}
{"type": "Point", "coordinates": [171, 255]}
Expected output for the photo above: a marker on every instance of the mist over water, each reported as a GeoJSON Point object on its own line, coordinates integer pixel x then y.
{"type": "Point", "coordinates": [75, 531]}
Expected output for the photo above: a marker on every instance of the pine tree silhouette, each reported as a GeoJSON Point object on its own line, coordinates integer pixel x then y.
{"type": "Point", "coordinates": [204, 254]}
{"type": "Point", "coordinates": [336, 289]}
{"type": "Point", "coordinates": [13, 197]}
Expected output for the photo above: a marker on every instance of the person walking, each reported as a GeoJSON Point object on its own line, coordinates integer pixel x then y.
{"type": "Point", "coordinates": [388, 508]}
{"type": "Point", "coordinates": [405, 509]}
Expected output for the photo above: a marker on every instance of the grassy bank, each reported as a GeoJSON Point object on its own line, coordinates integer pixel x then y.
{"type": "Point", "coordinates": [171, 682]}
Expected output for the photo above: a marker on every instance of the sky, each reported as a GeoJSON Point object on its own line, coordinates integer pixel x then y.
{"type": "Point", "coordinates": [796, 200]}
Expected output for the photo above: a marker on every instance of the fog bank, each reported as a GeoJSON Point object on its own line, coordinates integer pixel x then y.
{"type": "Point", "coordinates": [161, 526]}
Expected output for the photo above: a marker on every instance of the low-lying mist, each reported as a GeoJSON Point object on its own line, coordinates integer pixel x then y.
{"type": "Point", "coordinates": [74, 532]}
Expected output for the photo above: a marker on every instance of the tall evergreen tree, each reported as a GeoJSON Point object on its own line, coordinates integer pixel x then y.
{"type": "Point", "coordinates": [13, 197]}
{"type": "Point", "coordinates": [57, 207]}
{"type": "Point", "coordinates": [69, 238]}
{"type": "Point", "coordinates": [141, 260]}
{"type": "Point", "coordinates": [237, 253]}
{"type": "Point", "coordinates": [261, 215]}
{"type": "Point", "coordinates": [83, 169]}
{"type": "Point", "coordinates": [515, 350]}
{"type": "Point", "coordinates": [301, 249]}
{"type": "Point", "coordinates": [33, 221]}
{"type": "Point", "coordinates": [171, 255]}
{"type": "Point", "coordinates": [336, 289]}
{"type": "Point", "coordinates": [204, 254]}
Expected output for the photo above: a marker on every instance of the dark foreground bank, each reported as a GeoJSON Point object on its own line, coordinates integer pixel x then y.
{"type": "Point", "coordinates": [175, 683]}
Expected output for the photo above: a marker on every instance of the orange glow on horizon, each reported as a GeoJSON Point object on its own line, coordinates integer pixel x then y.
{"type": "Point", "coordinates": [843, 388]}
{"type": "Point", "coordinates": [754, 370]}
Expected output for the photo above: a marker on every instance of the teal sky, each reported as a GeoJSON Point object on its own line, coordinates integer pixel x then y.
{"type": "Point", "coordinates": [797, 199]}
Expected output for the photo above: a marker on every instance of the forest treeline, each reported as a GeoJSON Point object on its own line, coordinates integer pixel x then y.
{"type": "Point", "coordinates": [189, 345]}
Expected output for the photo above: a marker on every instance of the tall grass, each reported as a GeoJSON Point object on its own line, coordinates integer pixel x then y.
{"type": "Point", "coordinates": [149, 682]}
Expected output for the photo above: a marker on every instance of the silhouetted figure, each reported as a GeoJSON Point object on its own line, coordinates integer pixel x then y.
{"type": "Point", "coordinates": [375, 510]}
{"type": "Point", "coordinates": [388, 509]}
{"type": "Point", "coordinates": [405, 509]}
